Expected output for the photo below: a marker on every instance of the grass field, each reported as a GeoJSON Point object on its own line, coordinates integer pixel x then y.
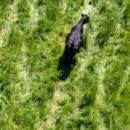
{"type": "Point", "coordinates": [92, 95]}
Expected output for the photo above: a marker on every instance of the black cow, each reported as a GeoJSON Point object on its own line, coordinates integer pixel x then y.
{"type": "Point", "coordinates": [74, 40]}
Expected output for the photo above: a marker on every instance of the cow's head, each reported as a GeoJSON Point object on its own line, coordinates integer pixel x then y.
{"type": "Point", "coordinates": [85, 18]}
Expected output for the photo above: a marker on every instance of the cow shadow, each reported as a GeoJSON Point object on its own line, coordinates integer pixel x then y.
{"type": "Point", "coordinates": [64, 69]}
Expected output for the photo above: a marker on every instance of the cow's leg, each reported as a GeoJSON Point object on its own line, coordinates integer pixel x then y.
{"type": "Point", "coordinates": [67, 55]}
{"type": "Point", "coordinates": [73, 53]}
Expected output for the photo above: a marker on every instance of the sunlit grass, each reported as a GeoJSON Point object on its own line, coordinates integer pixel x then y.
{"type": "Point", "coordinates": [94, 96]}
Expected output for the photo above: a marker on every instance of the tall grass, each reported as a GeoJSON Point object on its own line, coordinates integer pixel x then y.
{"type": "Point", "coordinates": [94, 96]}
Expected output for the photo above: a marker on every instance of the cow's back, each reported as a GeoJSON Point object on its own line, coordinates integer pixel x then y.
{"type": "Point", "coordinates": [74, 38]}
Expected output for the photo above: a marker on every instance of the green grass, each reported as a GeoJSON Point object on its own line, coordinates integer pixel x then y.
{"type": "Point", "coordinates": [95, 92]}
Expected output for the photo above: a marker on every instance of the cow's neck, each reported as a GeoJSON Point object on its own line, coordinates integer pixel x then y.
{"type": "Point", "coordinates": [80, 26]}
{"type": "Point", "coordinates": [80, 23]}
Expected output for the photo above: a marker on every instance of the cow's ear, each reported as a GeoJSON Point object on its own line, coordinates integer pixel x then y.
{"type": "Point", "coordinates": [82, 14]}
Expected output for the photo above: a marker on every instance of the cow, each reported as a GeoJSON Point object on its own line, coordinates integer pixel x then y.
{"type": "Point", "coordinates": [74, 40]}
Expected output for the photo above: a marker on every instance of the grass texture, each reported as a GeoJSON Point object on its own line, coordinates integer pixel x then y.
{"type": "Point", "coordinates": [92, 95]}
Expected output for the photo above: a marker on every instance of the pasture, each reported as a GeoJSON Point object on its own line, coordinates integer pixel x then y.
{"type": "Point", "coordinates": [95, 92]}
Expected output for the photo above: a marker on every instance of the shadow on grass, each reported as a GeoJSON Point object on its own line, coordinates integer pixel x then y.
{"type": "Point", "coordinates": [63, 69]}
